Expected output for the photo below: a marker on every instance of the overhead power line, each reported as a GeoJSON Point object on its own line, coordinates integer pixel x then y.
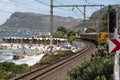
{"type": "Point", "coordinates": [55, 7]}
{"type": "Point", "coordinates": [80, 10]}
{"type": "Point", "coordinates": [42, 2]}
{"type": "Point", "coordinates": [68, 9]}
{"type": "Point", "coordinates": [90, 4]}
{"type": "Point", "coordinates": [77, 5]}
{"type": "Point", "coordinates": [5, 11]}
{"type": "Point", "coordinates": [21, 5]}
{"type": "Point", "coordinates": [48, 4]}
{"type": "Point", "coordinates": [87, 2]}
{"type": "Point", "coordinates": [58, 2]}
{"type": "Point", "coordinates": [30, 6]}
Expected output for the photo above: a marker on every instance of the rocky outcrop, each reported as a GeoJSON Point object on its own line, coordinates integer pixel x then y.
{"type": "Point", "coordinates": [18, 56]}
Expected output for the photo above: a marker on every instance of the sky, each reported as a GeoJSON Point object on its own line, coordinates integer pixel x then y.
{"type": "Point", "coordinates": [8, 7]}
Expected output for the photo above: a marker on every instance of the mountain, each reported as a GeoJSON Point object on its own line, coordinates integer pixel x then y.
{"type": "Point", "coordinates": [32, 21]}
{"type": "Point", "coordinates": [99, 19]}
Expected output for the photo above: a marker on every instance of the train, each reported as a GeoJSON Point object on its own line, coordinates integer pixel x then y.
{"type": "Point", "coordinates": [101, 37]}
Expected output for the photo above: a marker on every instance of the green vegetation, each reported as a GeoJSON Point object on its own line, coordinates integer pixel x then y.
{"type": "Point", "coordinates": [79, 31]}
{"type": "Point", "coordinates": [47, 59]}
{"type": "Point", "coordinates": [95, 69]}
{"type": "Point", "coordinates": [63, 33]}
{"type": "Point", "coordinates": [89, 30]}
{"type": "Point", "coordinates": [62, 29]}
{"type": "Point", "coordinates": [71, 33]}
{"type": "Point", "coordinates": [43, 36]}
{"type": "Point", "coordinates": [58, 34]}
{"type": "Point", "coordinates": [71, 38]}
{"type": "Point", "coordinates": [9, 69]}
{"type": "Point", "coordinates": [100, 67]}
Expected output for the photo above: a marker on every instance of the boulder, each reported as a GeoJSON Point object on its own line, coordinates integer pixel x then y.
{"type": "Point", "coordinates": [18, 56]}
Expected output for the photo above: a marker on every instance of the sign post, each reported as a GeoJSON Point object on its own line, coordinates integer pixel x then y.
{"type": "Point", "coordinates": [114, 48]}
{"type": "Point", "coordinates": [116, 66]}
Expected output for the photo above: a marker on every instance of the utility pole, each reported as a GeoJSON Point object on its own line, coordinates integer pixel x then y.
{"type": "Point", "coordinates": [84, 12]}
{"type": "Point", "coordinates": [85, 16]}
{"type": "Point", "coordinates": [51, 16]}
{"type": "Point", "coordinates": [51, 24]}
{"type": "Point", "coordinates": [116, 62]}
{"type": "Point", "coordinates": [84, 6]}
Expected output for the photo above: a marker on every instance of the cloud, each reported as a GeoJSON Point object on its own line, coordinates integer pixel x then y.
{"type": "Point", "coordinates": [12, 6]}
{"type": "Point", "coordinates": [6, 9]}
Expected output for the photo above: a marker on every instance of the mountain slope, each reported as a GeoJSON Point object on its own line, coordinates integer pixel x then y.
{"type": "Point", "coordinates": [40, 22]}
{"type": "Point", "coordinates": [99, 19]}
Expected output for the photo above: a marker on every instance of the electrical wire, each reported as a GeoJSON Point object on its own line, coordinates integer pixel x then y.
{"type": "Point", "coordinates": [5, 11]}
{"type": "Point", "coordinates": [32, 7]}
{"type": "Point", "coordinates": [42, 2]}
{"type": "Point", "coordinates": [58, 2]}
{"type": "Point", "coordinates": [72, 10]}
{"type": "Point", "coordinates": [22, 5]}
{"type": "Point", "coordinates": [80, 10]}
{"type": "Point", "coordinates": [49, 5]}
{"type": "Point", "coordinates": [90, 4]}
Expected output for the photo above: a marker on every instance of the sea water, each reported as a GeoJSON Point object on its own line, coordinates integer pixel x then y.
{"type": "Point", "coordinates": [15, 35]}
{"type": "Point", "coordinates": [5, 57]}
{"type": "Point", "coordinates": [30, 60]}
{"type": "Point", "coordinates": [16, 50]}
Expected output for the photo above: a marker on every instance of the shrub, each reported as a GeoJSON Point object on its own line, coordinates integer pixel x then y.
{"type": "Point", "coordinates": [64, 53]}
{"type": "Point", "coordinates": [99, 68]}
{"type": "Point", "coordinates": [9, 69]}
{"type": "Point", "coordinates": [47, 59]}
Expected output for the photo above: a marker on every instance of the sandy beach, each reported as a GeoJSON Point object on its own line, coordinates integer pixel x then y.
{"type": "Point", "coordinates": [32, 53]}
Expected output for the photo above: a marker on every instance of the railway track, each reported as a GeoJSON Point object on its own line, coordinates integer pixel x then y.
{"type": "Point", "coordinates": [41, 72]}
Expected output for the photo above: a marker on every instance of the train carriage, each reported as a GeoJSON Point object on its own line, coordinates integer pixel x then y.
{"type": "Point", "coordinates": [101, 37]}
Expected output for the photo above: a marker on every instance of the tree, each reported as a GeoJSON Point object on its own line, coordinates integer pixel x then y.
{"type": "Point", "coordinates": [79, 31]}
{"type": "Point", "coordinates": [89, 30]}
{"type": "Point", "coordinates": [71, 33]}
{"type": "Point", "coordinates": [62, 29]}
{"type": "Point", "coordinates": [71, 38]}
{"type": "Point", "coordinates": [9, 69]}
{"type": "Point", "coordinates": [43, 36]}
{"type": "Point", "coordinates": [58, 34]}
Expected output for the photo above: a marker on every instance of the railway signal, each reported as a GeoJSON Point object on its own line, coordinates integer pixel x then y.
{"type": "Point", "coordinates": [112, 21]}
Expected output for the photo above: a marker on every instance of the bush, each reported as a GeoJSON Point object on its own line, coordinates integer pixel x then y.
{"type": "Point", "coordinates": [9, 69]}
{"type": "Point", "coordinates": [99, 68]}
{"type": "Point", "coordinates": [64, 53]}
{"type": "Point", "coordinates": [47, 59]}
{"type": "Point", "coordinates": [71, 38]}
